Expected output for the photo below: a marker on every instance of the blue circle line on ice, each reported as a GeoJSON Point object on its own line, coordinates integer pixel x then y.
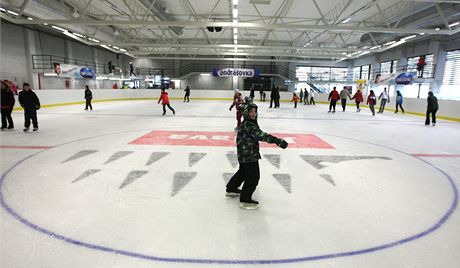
{"type": "Point", "coordinates": [70, 240]}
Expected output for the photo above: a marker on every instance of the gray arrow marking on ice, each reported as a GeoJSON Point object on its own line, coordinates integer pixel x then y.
{"type": "Point", "coordinates": [193, 158]}
{"type": "Point", "coordinates": [155, 157]}
{"type": "Point", "coordinates": [232, 158]}
{"type": "Point", "coordinates": [80, 154]}
{"type": "Point", "coordinates": [284, 180]}
{"type": "Point", "coordinates": [227, 177]}
{"type": "Point", "coordinates": [85, 174]}
{"type": "Point", "coordinates": [132, 176]}
{"type": "Point", "coordinates": [328, 178]}
{"type": "Point", "coordinates": [315, 160]}
{"type": "Point", "coordinates": [180, 180]}
{"type": "Point", "coordinates": [118, 155]}
{"type": "Point", "coordinates": [274, 159]}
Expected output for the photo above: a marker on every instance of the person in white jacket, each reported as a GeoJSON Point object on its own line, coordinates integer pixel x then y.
{"type": "Point", "coordinates": [385, 98]}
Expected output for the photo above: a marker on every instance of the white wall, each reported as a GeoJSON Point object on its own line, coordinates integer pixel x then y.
{"type": "Point", "coordinates": [448, 108]}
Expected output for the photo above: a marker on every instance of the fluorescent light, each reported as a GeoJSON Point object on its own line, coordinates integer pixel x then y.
{"type": "Point", "coordinates": [12, 12]}
{"type": "Point", "coordinates": [409, 37]}
{"type": "Point", "coordinates": [122, 49]}
{"type": "Point", "coordinates": [422, 33]}
{"type": "Point", "coordinates": [454, 24]}
{"type": "Point", "coordinates": [50, 74]}
{"type": "Point", "coordinates": [235, 2]}
{"type": "Point", "coordinates": [437, 29]}
{"type": "Point", "coordinates": [45, 23]}
{"type": "Point", "coordinates": [235, 37]}
{"type": "Point", "coordinates": [235, 30]}
{"type": "Point", "coordinates": [235, 42]}
{"type": "Point", "coordinates": [374, 47]}
{"type": "Point", "coordinates": [94, 40]}
{"type": "Point", "coordinates": [59, 28]}
{"type": "Point", "coordinates": [79, 35]}
{"type": "Point", "coordinates": [115, 47]}
{"type": "Point", "coordinates": [344, 53]}
{"type": "Point", "coordinates": [365, 52]}
{"type": "Point", "coordinates": [71, 35]}
{"type": "Point", "coordinates": [346, 20]}
{"type": "Point", "coordinates": [2, 9]}
{"type": "Point", "coordinates": [29, 18]}
{"type": "Point", "coordinates": [389, 43]}
{"type": "Point", "coordinates": [207, 74]}
{"type": "Point", "coordinates": [235, 13]}
{"type": "Point", "coordinates": [235, 21]}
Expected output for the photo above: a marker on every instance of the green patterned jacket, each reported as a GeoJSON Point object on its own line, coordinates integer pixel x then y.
{"type": "Point", "coordinates": [248, 137]}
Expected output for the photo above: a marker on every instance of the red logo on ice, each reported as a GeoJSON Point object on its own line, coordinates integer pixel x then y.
{"type": "Point", "coordinates": [226, 139]}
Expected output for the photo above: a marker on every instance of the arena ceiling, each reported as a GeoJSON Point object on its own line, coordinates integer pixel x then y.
{"type": "Point", "coordinates": [281, 30]}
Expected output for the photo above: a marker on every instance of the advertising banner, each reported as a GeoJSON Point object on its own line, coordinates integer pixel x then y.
{"type": "Point", "coordinates": [236, 72]}
{"type": "Point", "coordinates": [404, 78]}
{"type": "Point", "coordinates": [72, 71]}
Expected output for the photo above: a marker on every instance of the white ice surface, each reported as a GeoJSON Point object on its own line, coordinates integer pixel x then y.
{"type": "Point", "coordinates": [374, 202]}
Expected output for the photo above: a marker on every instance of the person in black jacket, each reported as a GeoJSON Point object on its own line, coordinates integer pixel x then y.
{"type": "Point", "coordinates": [277, 97]}
{"type": "Point", "coordinates": [30, 102]}
{"type": "Point", "coordinates": [432, 108]}
{"type": "Point", "coordinates": [7, 97]}
{"type": "Point", "coordinates": [187, 94]}
{"type": "Point", "coordinates": [88, 97]}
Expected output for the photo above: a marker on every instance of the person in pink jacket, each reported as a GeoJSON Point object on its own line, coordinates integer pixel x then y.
{"type": "Point", "coordinates": [165, 101]}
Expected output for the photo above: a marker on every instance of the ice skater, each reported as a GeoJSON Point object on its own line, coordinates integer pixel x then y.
{"type": "Point", "coordinates": [305, 98]}
{"type": "Point", "coordinates": [399, 102]}
{"type": "Point", "coordinates": [88, 98]}
{"type": "Point", "coordinates": [165, 101]}
{"type": "Point", "coordinates": [344, 94]}
{"type": "Point", "coordinates": [7, 105]}
{"type": "Point", "coordinates": [312, 96]}
{"type": "Point", "coordinates": [237, 102]}
{"type": "Point", "coordinates": [30, 102]}
{"type": "Point", "coordinates": [187, 94]}
{"type": "Point", "coordinates": [371, 101]}
{"type": "Point", "coordinates": [247, 141]}
{"type": "Point", "coordinates": [358, 97]}
{"type": "Point", "coordinates": [295, 99]}
{"type": "Point", "coordinates": [385, 98]}
{"type": "Point", "coordinates": [432, 108]}
{"type": "Point", "coordinates": [333, 98]}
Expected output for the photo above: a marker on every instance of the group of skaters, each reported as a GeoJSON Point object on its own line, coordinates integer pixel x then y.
{"type": "Point", "coordinates": [372, 100]}
{"type": "Point", "coordinates": [304, 96]}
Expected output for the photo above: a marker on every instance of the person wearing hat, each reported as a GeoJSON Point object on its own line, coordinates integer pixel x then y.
{"type": "Point", "coordinates": [247, 143]}
{"type": "Point", "coordinates": [30, 102]}
{"type": "Point", "coordinates": [7, 105]}
{"type": "Point", "coordinates": [237, 102]}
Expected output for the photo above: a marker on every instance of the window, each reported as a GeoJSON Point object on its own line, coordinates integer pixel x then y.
{"type": "Point", "coordinates": [450, 87]}
{"type": "Point", "coordinates": [356, 73]}
{"type": "Point", "coordinates": [388, 67]}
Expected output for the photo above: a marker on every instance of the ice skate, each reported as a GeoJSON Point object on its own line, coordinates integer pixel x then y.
{"type": "Point", "coordinates": [249, 205]}
{"type": "Point", "coordinates": [233, 193]}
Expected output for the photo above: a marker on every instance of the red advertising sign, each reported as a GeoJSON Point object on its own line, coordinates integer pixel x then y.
{"type": "Point", "coordinates": [224, 139]}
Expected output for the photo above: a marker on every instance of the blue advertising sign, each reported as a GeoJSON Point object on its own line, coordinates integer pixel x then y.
{"type": "Point", "coordinates": [86, 72]}
{"type": "Point", "coordinates": [404, 79]}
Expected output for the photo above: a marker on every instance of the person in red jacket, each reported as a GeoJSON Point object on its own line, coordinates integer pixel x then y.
{"type": "Point", "coordinates": [371, 101]}
{"type": "Point", "coordinates": [237, 102]}
{"type": "Point", "coordinates": [358, 97]}
{"type": "Point", "coordinates": [165, 101]}
{"type": "Point", "coordinates": [295, 99]}
{"type": "Point", "coordinates": [333, 98]}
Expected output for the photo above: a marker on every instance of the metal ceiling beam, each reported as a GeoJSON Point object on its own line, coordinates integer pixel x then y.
{"type": "Point", "coordinates": [143, 53]}
{"type": "Point", "coordinates": [249, 25]}
{"type": "Point", "coordinates": [239, 59]}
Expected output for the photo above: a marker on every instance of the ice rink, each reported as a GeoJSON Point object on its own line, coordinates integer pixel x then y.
{"type": "Point", "coordinates": [123, 186]}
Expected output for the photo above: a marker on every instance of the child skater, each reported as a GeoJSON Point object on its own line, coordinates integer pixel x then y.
{"type": "Point", "coordinates": [237, 102]}
{"type": "Point", "coordinates": [165, 101]}
{"type": "Point", "coordinates": [295, 99]}
{"type": "Point", "coordinates": [358, 97]}
{"type": "Point", "coordinates": [247, 142]}
{"type": "Point", "coordinates": [371, 101]}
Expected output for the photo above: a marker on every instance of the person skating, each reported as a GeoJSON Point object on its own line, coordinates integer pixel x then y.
{"type": "Point", "coordinates": [431, 108]}
{"type": "Point", "coordinates": [399, 102]}
{"type": "Point", "coordinates": [272, 97]}
{"type": "Point", "coordinates": [358, 97]}
{"type": "Point", "coordinates": [7, 104]}
{"type": "Point", "coordinates": [305, 98]}
{"type": "Point", "coordinates": [344, 94]}
{"type": "Point", "coordinates": [371, 101]}
{"type": "Point", "coordinates": [237, 102]}
{"type": "Point", "coordinates": [312, 96]}
{"type": "Point", "coordinates": [165, 101]}
{"type": "Point", "coordinates": [301, 95]}
{"type": "Point", "coordinates": [385, 98]}
{"type": "Point", "coordinates": [295, 99]}
{"type": "Point", "coordinates": [248, 174]}
{"type": "Point", "coordinates": [277, 97]}
{"type": "Point", "coordinates": [30, 102]}
{"type": "Point", "coordinates": [333, 98]}
{"type": "Point", "coordinates": [88, 98]}
{"type": "Point", "coordinates": [187, 94]}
